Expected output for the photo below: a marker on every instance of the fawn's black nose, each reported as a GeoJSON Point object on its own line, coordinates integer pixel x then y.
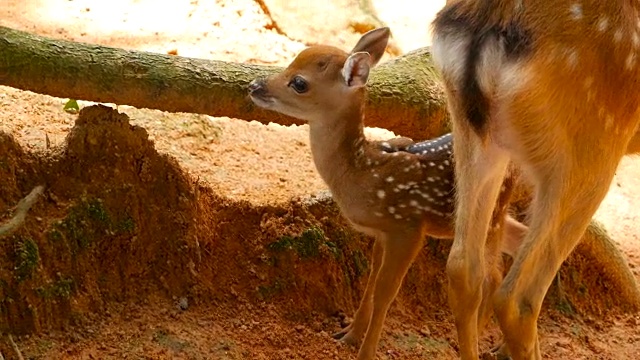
{"type": "Point", "coordinates": [257, 87]}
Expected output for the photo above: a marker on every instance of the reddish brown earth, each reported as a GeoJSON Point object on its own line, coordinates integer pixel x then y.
{"type": "Point", "coordinates": [180, 236]}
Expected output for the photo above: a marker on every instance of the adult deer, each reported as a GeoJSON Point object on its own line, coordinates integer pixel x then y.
{"type": "Point", "coordinates": [552, 86]}
{"type": "Point", "coordinates": [397, 191]}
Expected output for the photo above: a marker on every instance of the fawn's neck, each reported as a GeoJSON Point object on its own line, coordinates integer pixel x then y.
{"type": "Point", "coordinates": [336, 144]}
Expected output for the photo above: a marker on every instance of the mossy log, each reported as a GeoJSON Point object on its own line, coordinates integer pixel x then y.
{"type": "Point", "coordinates": [404, 95]}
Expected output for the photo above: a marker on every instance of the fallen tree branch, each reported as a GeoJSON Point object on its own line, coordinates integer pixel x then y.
{"type": "Point", "coordinates": [16, 348]}
{"type": "Point", "coordinates": [404, 95]}
{"type": "Point", "coordinates": [21, 211]}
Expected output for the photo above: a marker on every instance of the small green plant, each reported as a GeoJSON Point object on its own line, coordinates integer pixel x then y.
{"type": "Point", "coordinates": [71, 106]}
{"type": "Point", "coordinates": [27, 257]}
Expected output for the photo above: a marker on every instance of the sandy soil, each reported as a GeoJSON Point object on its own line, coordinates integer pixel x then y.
{"type": "Point", "coordinates": [262, 165]}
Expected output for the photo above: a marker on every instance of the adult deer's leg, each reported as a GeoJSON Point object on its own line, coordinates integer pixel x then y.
{"type": "Point", "coordinates": [480, 170]}
{"type": "Point", "coordinates": [570, 179]}
{"type": "Point", "coordinates": [400, 249]}
{"type": "Point", "coordinates": [353, 333]}
{"type": "Point", "coordinates": [558, 220]}
{"type": "Point", "coordinates": [633, 148]}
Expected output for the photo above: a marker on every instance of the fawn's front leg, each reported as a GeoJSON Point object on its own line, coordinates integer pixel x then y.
{"type": "Point", "coordinates": [353, 332]}
{"type": "Point", "coordinates": [399, 251]}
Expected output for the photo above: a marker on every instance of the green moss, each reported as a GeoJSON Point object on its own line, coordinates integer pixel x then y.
{"type": "Point", "coordinates": [306, 245]}
{"type": "Point", "coordinates": [127, 225]}
{"type": "Point", "coordinates": [283, 243]}
{"type": "Point", "coordinates": [61, 288]}
{"type": "Point", "coordinates": [96, 211]}
{"type": "Point", "coordinates": [87, 220]}
{"type": "Point", "coordinates": [27, 257]}
{"type": "Point", "coordinates": [360, 262]}
{"type": "Point", "coordinates": [54, 235]}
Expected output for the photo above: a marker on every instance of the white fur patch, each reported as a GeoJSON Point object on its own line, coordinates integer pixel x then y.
{"type": "Point", "coordinates": [356, 69]}
{"type": "Point", "coordinates": [449, 55]}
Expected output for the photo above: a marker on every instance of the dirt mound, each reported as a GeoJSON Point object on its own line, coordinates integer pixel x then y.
{"type": "Point", "coordinates": [120, 223]}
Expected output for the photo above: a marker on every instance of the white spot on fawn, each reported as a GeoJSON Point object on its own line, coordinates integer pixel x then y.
{"type": "Point", "coordinates": [390, 179]}
{"type": "Point", "coordinates": [588, 82]}
{"type": "Point", "coordinates": [392, 210]}
{"type": "Point", "coordinates": [572, 58]}
{"type": "Point", "coordinates": [603, 23]}
{"type": "Point", "coordinates": [381, 194]}
{"type": "Point", "coordinates": [576, 11]}
{"type": "Point", "coordinates": [631, 61]}
{"type": "Point", "coordinates": [617, 36]}
{"type": "Point", "coordinates": [608, 121]}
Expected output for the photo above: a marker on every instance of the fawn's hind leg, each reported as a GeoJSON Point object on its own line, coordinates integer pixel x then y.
{"type": "Point", "coordinates": [400, 249]}
{"type": "Point", "coordinates": [353, 332]}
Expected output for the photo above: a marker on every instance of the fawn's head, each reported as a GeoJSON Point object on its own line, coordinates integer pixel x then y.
{"type": "Point", "coordinates": [321, 79]}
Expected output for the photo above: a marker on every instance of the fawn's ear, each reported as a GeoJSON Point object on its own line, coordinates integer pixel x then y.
{"type": "Point", "coordinates": [356, 69]}
{"type": "Point", "coordinates": [374, 42]}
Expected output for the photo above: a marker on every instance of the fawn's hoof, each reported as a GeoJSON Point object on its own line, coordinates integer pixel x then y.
{"type": "Point", "coordinates": [498, 352]}
{"type": "Point", "coordinates": [347, 336]}
{"type": "Point", "coordinates": [344, 331]}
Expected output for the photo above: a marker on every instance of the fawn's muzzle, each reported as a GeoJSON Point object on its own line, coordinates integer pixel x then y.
{"type": "Point", "coordinates": [257, 87]}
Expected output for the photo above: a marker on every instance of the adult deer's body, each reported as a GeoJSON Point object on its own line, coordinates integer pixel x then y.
{"type": "Point", "coordinates": [553, 86]}
{"type": "Point", "coordinates": [396, 191]}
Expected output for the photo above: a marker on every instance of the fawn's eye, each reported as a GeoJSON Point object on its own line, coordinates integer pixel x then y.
{"type": "Point", "coordinates": [299, 85]}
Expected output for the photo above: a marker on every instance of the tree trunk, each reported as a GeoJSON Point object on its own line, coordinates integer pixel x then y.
{"type": "Point", "coordinates": [404, 96]}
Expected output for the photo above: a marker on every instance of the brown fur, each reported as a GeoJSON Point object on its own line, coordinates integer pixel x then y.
{"type": "Point", "coordinates": [564, 107]}
{"type": "Point", "coordinates": [396, 191]}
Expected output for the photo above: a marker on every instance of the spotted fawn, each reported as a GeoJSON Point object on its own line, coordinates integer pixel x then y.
{"type": "Point", "coordinates": [397, 191]}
